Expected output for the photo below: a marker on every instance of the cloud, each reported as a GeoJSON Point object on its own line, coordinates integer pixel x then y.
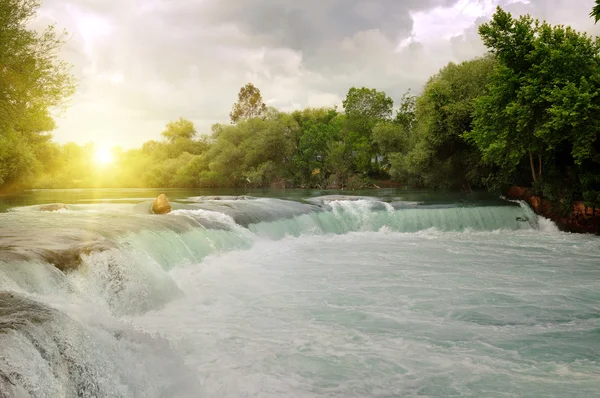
{"type": "Point", "coordinates": [141, 63]}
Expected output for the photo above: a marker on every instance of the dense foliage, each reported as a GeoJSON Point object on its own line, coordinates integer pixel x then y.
{"type": "Point", "coordinates": [33, 81]}
{"type": "Point", "coordinates": [541, 109]}
{"type": "Point", "coordinates": [435, 154]}
{"type": "Point", "coordinates": [525, 113]}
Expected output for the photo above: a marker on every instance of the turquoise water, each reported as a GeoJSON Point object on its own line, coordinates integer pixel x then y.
{"type": "Point", "coordinates": [326, 297]}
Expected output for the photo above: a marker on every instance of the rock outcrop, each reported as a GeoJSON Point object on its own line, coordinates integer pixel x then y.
{"type": "Point", "coordinates": [161, 205]}
{"type": "Point", "coordinates": [581, 219]}
{"type": "Point", "coordinates": [54, 207]}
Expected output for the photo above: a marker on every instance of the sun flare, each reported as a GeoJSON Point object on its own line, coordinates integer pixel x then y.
{"type": "Point", "coordinates": [103, 156]}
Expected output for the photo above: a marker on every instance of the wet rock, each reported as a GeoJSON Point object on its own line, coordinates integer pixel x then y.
{"type": "Point", "coordinates": [161, 205]}
{"type": "Point", "coordinates": [66, 258]}
{"type": "Point", "coordinates": [54, 207]}
{"type": "Point", "coordinates": [70, 259]}
{"type": "Point", "coordinates": [580, 219]}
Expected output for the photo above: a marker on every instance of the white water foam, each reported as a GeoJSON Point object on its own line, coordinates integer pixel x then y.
{"type": "Point", "coordinates": [360, 301]}
{"type": "Point", "coordinates": [391, 314]}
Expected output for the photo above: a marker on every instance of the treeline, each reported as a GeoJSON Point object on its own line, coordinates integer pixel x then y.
{"type": "Point", "coordinates": [262, 147]}
{"type": "Point", "coordinates": [527, 113]}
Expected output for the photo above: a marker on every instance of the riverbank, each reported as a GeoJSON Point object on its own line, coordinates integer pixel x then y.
{"type": "Point", "coordinates": [581, 219]}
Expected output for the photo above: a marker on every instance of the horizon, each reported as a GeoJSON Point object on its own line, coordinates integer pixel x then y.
{"type": "Point", "coordinates": [143, 64]}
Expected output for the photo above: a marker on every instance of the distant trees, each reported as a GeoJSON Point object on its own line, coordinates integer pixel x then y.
{"type": "Point", "coordinates": [180, 129]}
{"type": "Point", "coordinates": [526, 113]}
{"type": "Point", "coordinates": [249, 105]}
{"type": "Point", "coordinates": [32, 82]}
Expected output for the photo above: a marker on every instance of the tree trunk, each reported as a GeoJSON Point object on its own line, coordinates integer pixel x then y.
{"type": "Point", "coordinates": [539, 165]}
{"type": "Point", "coordinates": [532, 166]}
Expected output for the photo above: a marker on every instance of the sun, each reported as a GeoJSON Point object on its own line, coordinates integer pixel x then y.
{"type": "Point", "coordinates": [103, 156]}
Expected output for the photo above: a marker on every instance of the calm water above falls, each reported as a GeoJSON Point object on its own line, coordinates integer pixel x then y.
{"type": "Point", "coordinates": [407, 294]}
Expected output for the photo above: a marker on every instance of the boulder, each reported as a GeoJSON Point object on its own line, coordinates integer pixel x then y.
{"type": "Point", "coordinates": [161, 205]}
{"type": "Point", "coordinates": [54, 207]}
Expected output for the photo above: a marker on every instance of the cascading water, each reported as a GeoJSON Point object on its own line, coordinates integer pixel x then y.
{"type": "Point", "coordinates": [331, 296]}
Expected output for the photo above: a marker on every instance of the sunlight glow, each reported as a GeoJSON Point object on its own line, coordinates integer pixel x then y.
{"type": "Point", "coordinates": [103, 156]}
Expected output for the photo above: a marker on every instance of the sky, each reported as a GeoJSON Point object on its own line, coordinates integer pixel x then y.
{"type": "Point", "coordinates": [141, 63]}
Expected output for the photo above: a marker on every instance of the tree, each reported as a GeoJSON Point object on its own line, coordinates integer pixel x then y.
{"type": "Point", "coordinates": [435, 154]}
{"type": "Point", "coordinates": [179, 129]}
{"type": "Point", "coordinates": [543, 98]}
{"type": "Point", "coordinates": [318, 128]}
{"type": "Point", "coordinates": [33, 81]}
{"type": "Point", "coordinates": [406, 114]}
{"type": "Point", "coordinates": [392, 137]}
{"type": "Point", "coordinates": [250, 104]}
{"type": "Point", "coordinates": [596, 12]}
{"type": "Point", "coordinates": [366, 107]}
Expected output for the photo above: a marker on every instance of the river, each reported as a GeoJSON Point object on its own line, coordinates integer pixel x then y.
{"type": "Point", "coordinates": [242, 293]}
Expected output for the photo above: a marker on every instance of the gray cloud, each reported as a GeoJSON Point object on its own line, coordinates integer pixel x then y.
{"type": "Point", "coordinates": [142, 63]}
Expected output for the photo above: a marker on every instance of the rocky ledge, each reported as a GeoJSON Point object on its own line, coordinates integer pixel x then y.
{"type": "Point", "coordinates": [581, 219]}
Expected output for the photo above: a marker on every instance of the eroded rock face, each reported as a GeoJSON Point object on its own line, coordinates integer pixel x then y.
{"type": "Point", "coordinates": [161, 205]}
{"type": "Point", "coordinates": [54, 207]}
{"type": "Point", "coordinates": [580, 220]}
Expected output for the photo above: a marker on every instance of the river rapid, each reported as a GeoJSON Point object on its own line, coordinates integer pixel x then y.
{"type": "Point", "coordinates": [386, 293]}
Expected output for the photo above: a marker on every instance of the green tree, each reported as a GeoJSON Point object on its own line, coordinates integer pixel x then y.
{"type": "Point", "coordinates": [542, 106]}
{"type": "Point", "coordinates": [393, 137]}
{"type": "Point", "coordinates": [437, 155]}
{"type": "Point", "coordinates": [318, 128]}
{"type": "Point", "coordinates": [253, 152]}
{"type": "Point", "coordinates": [406, 115]}
{"type": "Point", "coordinates": [179, 129]}
{"type": "Point", "coordinates": [249, 105]}
{"type": "Point", "coordinates": [365, 108]}
{"type": "Point", "coordinates": [596, 12]}
{"type": "Point", "coordinates": [390, 137]}
{"type": "Point", "coordinates": [33, 81]}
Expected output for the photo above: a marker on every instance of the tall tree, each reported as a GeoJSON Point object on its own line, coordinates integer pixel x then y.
{"type": "Point", "coordinates": [249, 105]}
{"type": "Point", "coordinates": [33, 81]}
{"type": "Point", "coordinates": [543, 94]}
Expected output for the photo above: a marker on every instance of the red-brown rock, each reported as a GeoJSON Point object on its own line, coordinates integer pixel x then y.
{"type": "Point", "coordinates": [581, 219]}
